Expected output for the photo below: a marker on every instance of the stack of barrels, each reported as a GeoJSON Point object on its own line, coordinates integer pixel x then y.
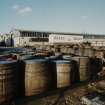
{"type": "Point", "coordinates": [38, 75]}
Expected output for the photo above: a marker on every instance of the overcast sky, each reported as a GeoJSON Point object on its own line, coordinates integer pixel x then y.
{"type": "Point", "coordinates": [53, 15]}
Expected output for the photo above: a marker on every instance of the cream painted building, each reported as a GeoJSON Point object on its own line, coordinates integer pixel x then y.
{"type": "Point", "coordinates": [61, 38]}
{"type": "Point", "coordinates": [31, 38]}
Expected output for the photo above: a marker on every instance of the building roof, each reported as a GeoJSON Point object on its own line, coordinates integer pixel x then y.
{"type": "Point", "coordinates": [64, 33]}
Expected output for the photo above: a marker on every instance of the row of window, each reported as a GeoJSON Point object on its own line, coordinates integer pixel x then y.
{"type": "Point", "coordinates": [93, 37]}
{"type": "Point", "coordinates": [59, 37]}
{"type": "Point", "coordinates": [46, 35]}
{"type": "Point", "coordinates": [77, 38]}
{"type": "Point", "coordinates": [33, 34]}
{"type": "Point", "coordinates": [62, 38]}
{"type": "Point", "coordinates": [38, 40]}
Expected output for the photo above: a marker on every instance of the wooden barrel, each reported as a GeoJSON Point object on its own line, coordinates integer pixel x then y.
{"type": "Point", "coordinates": [76, 51]}
{"type": "Point", "coordinates": [37, 76]}
{"type": "Point", "coordinates": [80, 51]}
{"type": "Point", "coordinates": [48, 48]}
{"type": "Point", "coordinates": [95, 66]}
{"type": "Point", "coordinates": [7, 81]}
{"type": "Point", "coordinates": [99, 54]}
{"type": "Point", "coordinates": [63, 69]}
{"type": "Point", "coordinates": [88, 51]}
{"type": "Point", "coordinates": [64, 49]}
{"type": "Point", "coordinates": [70, 51]}
{"type": "Point", "coordinates": [83, 64]}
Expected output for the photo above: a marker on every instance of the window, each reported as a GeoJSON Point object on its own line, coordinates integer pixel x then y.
{"type": "Point", "coordinates": [34, 34]}
{"type": "Point", "coordinates": [45, 35]}
{"type": "Point", "coordinates": [39, 34]}
{"type": "Point", "coordinates": [38, 40]}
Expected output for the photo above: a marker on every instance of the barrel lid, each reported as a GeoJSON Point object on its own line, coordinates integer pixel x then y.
{"type": "Point", "coordinates": [55, 56]}
{"type": "Point", "coordinates": [66, 56]}
{"type": "Point", "coordinates": [47, 58]}
{"type": "Point", "coordinates": [35, 60]}
{"type": "Point", "coordinates": [7, 62]}
{"type": "Point", "coordinates": [62, 61]}
{"type": "Point", "coordinates": [80, 57]}
{"type": "Point", "coordinates": [25, 57]}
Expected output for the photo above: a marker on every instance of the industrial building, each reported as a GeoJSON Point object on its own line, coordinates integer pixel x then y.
{"type": "Point", "coordinates": [95, 40]}
{"type": "Point", "coordinates": [30, 38]}
{"type": "Point", "coordinates": [26, 37]}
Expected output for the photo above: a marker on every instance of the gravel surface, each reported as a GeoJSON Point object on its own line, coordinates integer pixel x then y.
{"type": "Point", "coordinates": [68, 97]}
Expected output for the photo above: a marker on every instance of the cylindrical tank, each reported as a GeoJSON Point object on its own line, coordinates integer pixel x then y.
{"type": "Point", "coordinates": [95, 66]}
{"type": "Point", "coordinates": [76, 51]}
{"type": "Point", "coordinates": [80, 51]}
{"type": "Point", "coordinates": [7, 81]}
{"type": "Point", "coordinates": [88, 51]}
{"type": "Point", "coordinates": [37, 76]}
{"type": "Point", "coordinates": [48, 47]}
{"type": "Point", "coordinates": [83, 64]}
{"type": "Point", "coordinates": [99, 54]}
{"type": "Point", "coordinates": [64, 49]}
{"type": "Point", "coordinates": [63, 76]}
{"type": "Point", "coordinates": [70, 50]}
